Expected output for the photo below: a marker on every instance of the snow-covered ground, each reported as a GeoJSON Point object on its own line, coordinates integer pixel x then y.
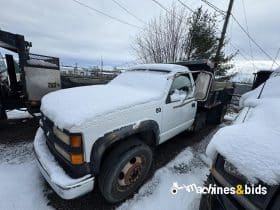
{"type": "Point", "coordinates": [20, 179]}
{"type": "Point", "coordinates": [22, 186]}
{"type": "Point", "coordinates": [191, 166]}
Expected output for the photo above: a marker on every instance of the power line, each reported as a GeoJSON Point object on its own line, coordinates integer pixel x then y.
{"type": "Point", "coordinates": [186, 6]}
{"type": "Point", "coordinates": [125, 9]}
{"type": "Point", "coordinates": [276, 57]}
{"type": "Point", "coordinates": [160, 5]}
{"type": "Point", "coordinates": [105, 14]}
{"type": "Point", "coordinates": [222, 12]}
{"type": "Point", "coordinates": [251, 38]}
{"type": "Point", "coordinates": [244, 30]}
{"type": "Point", "coordinates": [239, 52]}
{"type": "Point", "coordinates": [247, 27]}
{"type": "Point", "coordinates": [218, 10]}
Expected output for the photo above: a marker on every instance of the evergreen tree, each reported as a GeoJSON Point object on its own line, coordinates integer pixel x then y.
{"type": "Point", "coordinates": [172, 37]}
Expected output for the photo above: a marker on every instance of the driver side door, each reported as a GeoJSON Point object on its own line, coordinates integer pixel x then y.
{"type": "Point", "coordinates": [178, 113]}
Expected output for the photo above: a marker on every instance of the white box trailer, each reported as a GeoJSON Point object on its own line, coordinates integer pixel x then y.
{"type": "Point", "coordinates": [42, 75]}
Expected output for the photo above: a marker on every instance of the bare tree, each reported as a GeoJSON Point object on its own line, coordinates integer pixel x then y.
{"type": "Point", "coordinates": [163, 40]}
{"type": "Point", "coordinates": [174, 36]}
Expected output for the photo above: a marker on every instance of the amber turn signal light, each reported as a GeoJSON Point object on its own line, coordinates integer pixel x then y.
{"type": "Point", "coordinates": [76, 141]}
{"type": "Point", "coordinates": [77, 159]}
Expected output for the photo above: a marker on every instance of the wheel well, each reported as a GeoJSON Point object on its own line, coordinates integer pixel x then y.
{"type": "Point", "coordinates": [148, 137]}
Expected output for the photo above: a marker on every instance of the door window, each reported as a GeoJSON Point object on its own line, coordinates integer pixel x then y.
{"type": "Point", "coordinates": [181, 89]}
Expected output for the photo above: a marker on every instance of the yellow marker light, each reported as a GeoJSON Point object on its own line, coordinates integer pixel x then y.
{"type": "Point", "coordinates": [76, 141]}
{"type": "Point", "coordinates": [77, 159]}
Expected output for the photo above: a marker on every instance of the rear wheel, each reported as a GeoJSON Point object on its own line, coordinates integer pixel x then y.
{"type": "Point", "coordinates": [216, 115]}
{"type": "Point", "coordinates": [124, 170]}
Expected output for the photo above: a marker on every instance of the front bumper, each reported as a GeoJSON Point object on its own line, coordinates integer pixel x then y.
{"type": "Point", "coordinates": [65, 186]}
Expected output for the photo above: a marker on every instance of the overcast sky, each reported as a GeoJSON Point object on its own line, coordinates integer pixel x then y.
{"type": "Point", "coordinates": [74, 33]}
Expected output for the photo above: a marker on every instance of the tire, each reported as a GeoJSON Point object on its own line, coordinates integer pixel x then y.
{"type": "Point", "coordinates": [204, 202]}
{"type": "Point", "coordinates": [216, 115]}
{"type": "Point", "coordinates": [206, 199]}
{"type": "Point", "coordinates": [124, 170]}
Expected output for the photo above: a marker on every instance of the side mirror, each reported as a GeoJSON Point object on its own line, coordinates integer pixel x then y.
{"type": "Point", "coordinates": [202, 85]}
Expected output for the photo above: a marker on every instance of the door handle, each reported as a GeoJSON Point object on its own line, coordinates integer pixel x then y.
{"type": "Point", "coordinates": [193, 104]}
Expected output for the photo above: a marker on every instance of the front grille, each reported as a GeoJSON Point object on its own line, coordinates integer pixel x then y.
{"type": "Point", "coordinates": [232, 170]}
{"type": "Point", "coordinates": [231, 174]}
{"type": "Point", "coordinates": [75, 171]}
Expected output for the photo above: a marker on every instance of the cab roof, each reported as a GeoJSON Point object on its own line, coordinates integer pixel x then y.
{"type": "Point", "coordinates": [164, 68]}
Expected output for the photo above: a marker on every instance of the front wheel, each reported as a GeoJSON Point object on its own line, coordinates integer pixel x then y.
{"type": "Point", "coordinates": [124, 170]}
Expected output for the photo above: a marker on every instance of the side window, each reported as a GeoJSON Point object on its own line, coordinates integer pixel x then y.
{"type": "Point", "coordinates": [181, 88]}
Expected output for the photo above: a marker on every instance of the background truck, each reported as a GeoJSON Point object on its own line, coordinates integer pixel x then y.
{"type": "Point", "coordinates": [27, 80]}
{"type": "Point", "coordinates": [37, 75]}
{"type": "Point", "coordinates": [256, 165]}
{"type": "Point", "coordinates": [109, 140]}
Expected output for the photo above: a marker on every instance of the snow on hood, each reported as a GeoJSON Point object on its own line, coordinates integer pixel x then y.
{"type": "Point", "coordinates": [74, 106]}
{"type": "Point", "coordinates": [253, 146]}
{"type": "Point", "coordinates": [71, 107]}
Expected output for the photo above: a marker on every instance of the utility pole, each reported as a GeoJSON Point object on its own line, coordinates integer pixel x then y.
{"type": "Point", "coordinates": [222, 39]}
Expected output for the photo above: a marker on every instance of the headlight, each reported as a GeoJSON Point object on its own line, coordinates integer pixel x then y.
{"type": "Point", "coordinates": [62, 136]}
{"type": "Point", "coordinates": [74, 141]}
{"type": "Point", "coordinates": [61, 151]}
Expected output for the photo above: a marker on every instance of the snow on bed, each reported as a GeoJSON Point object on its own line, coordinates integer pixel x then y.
{"type": "Point", "coordinates": [252, 143]}
{"type": "Point", "coordinates": [37, 62]}
{"type": "Point", "coordinates": [71, 107]}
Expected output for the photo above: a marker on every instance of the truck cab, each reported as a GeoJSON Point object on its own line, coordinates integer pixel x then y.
{"type": "Point", "coordinates": [105, 133]}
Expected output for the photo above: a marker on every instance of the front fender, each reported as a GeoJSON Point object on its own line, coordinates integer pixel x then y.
{"type": "Point", "coordinates": [103, 143]}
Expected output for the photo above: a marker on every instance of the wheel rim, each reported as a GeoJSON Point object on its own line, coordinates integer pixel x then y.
{"type": "Point", "coordinates": [131, 172]}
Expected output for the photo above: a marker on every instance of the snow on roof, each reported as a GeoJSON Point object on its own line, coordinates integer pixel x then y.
{"type": "Point", "coordinates": [252, 143]}
{"type": "Point", "coordinates": [161, 67]}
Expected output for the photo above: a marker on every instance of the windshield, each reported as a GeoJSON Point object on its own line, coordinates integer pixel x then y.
{"type": "Point", "coordinates": [152, 81]}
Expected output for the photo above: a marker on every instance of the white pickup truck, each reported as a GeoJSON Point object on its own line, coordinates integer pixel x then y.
{"type": "Point", "coordinates": [106, 133]}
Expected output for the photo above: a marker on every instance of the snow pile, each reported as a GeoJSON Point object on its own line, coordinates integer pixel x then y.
{"type": "Point", "coordinates": [71, 107]}
{"type": "Point", "coordinates": [252, 143]}
{"type": "Point", "coordinates": [178, 95]}
{"type": "Point", "coordinates": [156, 194]}
{"type": "Point", "coordinates": [18, 114]}
{"type": "Point", "coordinates": [230, 116]}
{"type": "Point", "coordinates": [55, 172]}
{"type": "Point", "coordinates": [21, 187]}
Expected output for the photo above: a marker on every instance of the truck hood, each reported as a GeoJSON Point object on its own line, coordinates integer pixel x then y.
{"type": "Point", "coordinates": [72, 107]}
